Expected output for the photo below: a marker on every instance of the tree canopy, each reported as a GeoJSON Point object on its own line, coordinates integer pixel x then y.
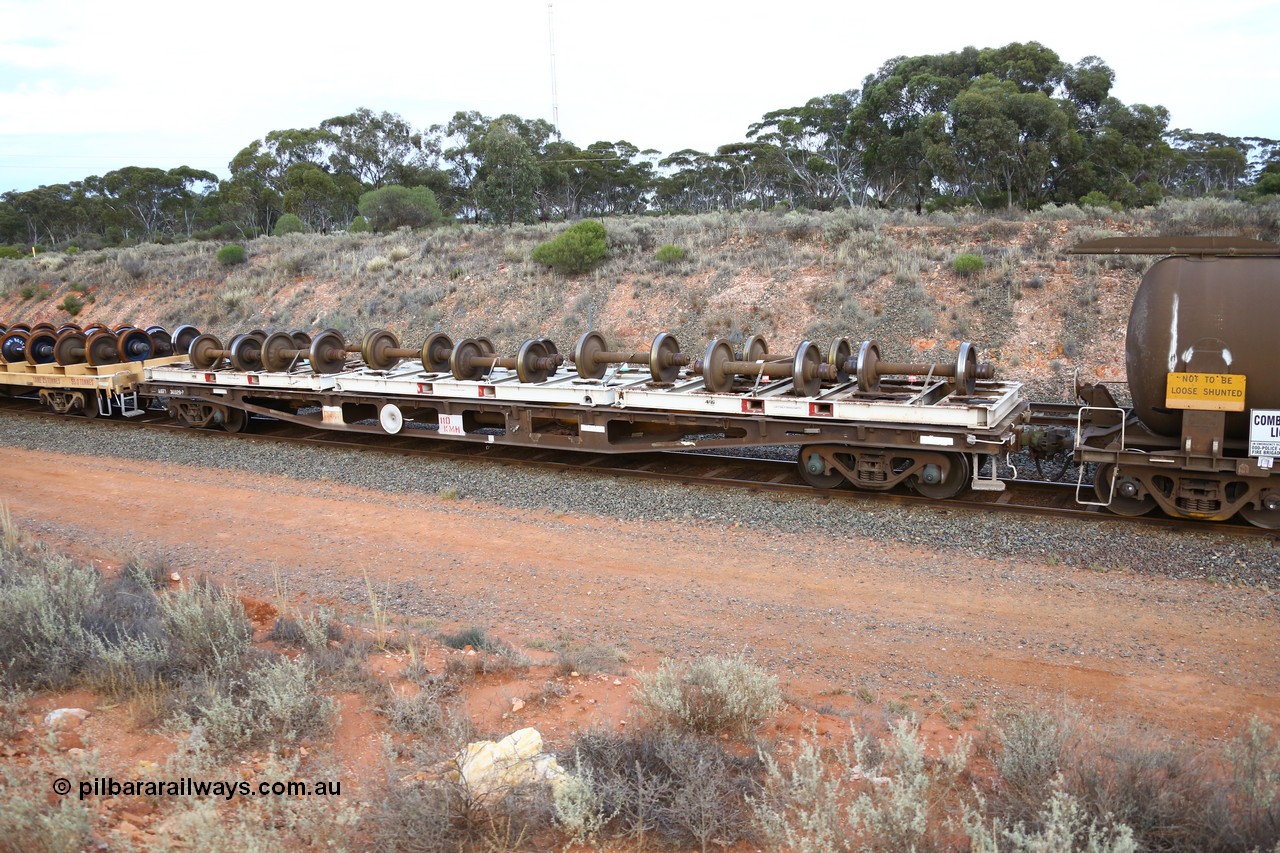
{"type": "Point", "coordinates": [1011, 126]}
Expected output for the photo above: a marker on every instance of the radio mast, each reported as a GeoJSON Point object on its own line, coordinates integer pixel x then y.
{"type": "Point", "coordinates": [555, 97]}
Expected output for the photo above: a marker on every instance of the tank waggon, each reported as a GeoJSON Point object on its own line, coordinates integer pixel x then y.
{"type": "Point", "coordinates": [1201, 358]}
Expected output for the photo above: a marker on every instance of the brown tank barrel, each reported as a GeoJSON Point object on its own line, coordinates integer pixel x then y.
{"type": "Point", "coordinates": [1204, 315]}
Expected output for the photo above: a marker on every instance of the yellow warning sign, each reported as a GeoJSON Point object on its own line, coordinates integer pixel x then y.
{"type": "Point", "coordinates": [1214, 392]}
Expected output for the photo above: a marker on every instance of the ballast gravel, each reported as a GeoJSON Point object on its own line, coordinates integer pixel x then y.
{"type": "Point", "coordinates": [1105, 545]}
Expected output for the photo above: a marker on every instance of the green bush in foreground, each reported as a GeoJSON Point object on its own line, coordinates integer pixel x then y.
{"type": "Point", "coordinates": [231, 255]}
{"type": "Point", "coordinates": [577, 250]}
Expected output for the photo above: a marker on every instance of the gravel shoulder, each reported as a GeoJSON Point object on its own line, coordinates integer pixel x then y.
{"type": "Point", "coordinates": [837, 600]}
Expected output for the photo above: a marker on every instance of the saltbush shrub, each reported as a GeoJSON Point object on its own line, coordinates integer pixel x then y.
{"type": "Point", "coordinates": [711, 695]}
{"type": "Point", "coordinates": [577, 250]}
{"type": "Point", "coordinates": [231, 255]}
{"type": "Point", "coordinates": [392, 207]}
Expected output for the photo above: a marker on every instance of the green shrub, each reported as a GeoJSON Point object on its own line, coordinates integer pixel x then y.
{"type": "Point", "coordinates": [231, 255]}
{"type": "Point", "coordinates": [577, 250]}
{"type": "Point", "coordinates": [711, 695]}
{"type": "Point", "coordinates": [12, 252]}
{"type": "Point", "coordinates": [359, 225]}
{"type": "Point", "coordinates": [78, 287]}
{"type": "Point", "coordinates": [671, 253]}
{"type": "Point", "coordinates": [27, 291]}
{"type": "Point", "coordinates": [389, 208]}
{"type": "Point", "coordinates": [288, 224]}
{"type": "Point", "coordinates": [969, 264]}
{"type": "Point", "coordinates": [1097, 198]}
{"type": "Point", "coordinates": [71, 304]}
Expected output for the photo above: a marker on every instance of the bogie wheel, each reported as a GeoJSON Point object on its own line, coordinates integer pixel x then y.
{"type": "Point", "coordinates": [44, 327]}
{"type": "Point", "coordinates": [301, 340]}
{"type": "Point", "coordinates": [934, 484]}
{"type": "Point", "coordinates": [1125, 493]}
{"type": "Point", "coordinates": [550, 346]}
{"type": "Point", "coordinates": [235, 420]}
{"type": "Point", "coordinates": [486, 345]}
{"type": "Point", "coordinates": [813, 469]}
{"type": "Point", "coordinates": [88, 405]}
{"type": "Point", "coordinates": [1268, 515]}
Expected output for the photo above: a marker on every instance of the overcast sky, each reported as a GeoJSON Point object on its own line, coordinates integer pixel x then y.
{"type": "Point", "coordinates": [88, 86]}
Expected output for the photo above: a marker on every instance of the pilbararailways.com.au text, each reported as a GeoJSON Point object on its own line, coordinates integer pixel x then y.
{"type": "Point", "coordinates": [109, 786]}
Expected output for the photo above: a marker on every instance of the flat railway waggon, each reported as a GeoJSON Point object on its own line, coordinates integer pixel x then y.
{"type": "Point", "coordinates": [1197, 362]}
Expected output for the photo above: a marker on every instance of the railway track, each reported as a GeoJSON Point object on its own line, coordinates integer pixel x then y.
{"type": "Point", "coordinates": [1021, 496]}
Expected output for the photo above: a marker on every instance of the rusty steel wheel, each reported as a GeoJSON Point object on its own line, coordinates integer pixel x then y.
{"type": "Point", "coordinates": [714, 374]}
{"type": "Point", "coordinates": [161, 341]}
{"type": "Point", "coordinates": [69, 348]}
{"type": "Point", "coordinates": [205, 351]}
{"type": "Point", "coordinates": [182, 338]}
{"type": "Point", "coordinates": [246, 352]}
{"type": "Point", "coordinates": [805, 381]}
{"type": "Point", "coordinates": [375, 349]}
{"type": "Point", "coordinates": [868, 361]}
{"type": "Point", "coordinates": [44, 327]}
{"type": "Point", "coordinates": [933, 483]}
{"type": "Point", "coordinates": [102, 347]}
{"type": "Point", "coordinates": [585, 351]}
{"type": "Point", "coordinates": [301, 340]}
{"type": "Point", "coordinates": [530, 351]}
{"type": "Point", "coordinates": [662, 367]}
{"type": "Point", "coordinates": [838, 356]}
{"type": "Point", "coordinates": [279, 352]}
{"type": "Point", "coordinates": [88, 404]}
{"type": "Point", "coordinates": [465, 363]}
{"type": "Point", "coordinates": [754, 348]}
{"type": "Point", "coordinates": [328, 352]}
{"type": "Point", "coordinates": [436, 350]}
{"type": "Point", "coordinates": [813, 469]}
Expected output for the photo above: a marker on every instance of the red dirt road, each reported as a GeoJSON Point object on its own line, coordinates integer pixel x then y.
{"type": "Point", "coordinates": [833, 617]}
